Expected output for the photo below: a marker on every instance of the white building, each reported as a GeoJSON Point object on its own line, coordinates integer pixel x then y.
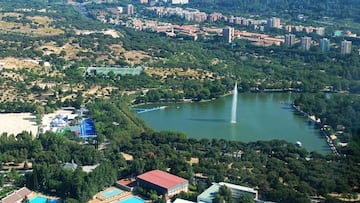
{"type": "Point", "coordinates": [182, 201]}
{"type": "Point", "coordinates": [236, 190]}
{"type": "Point", "coordinates": [179, 1]}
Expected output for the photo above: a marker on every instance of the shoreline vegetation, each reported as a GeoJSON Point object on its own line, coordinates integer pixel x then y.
{"type": "Point", "coordinates": [322, 127]}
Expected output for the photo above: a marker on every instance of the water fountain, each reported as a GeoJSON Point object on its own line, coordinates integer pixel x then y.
{"type": "Point", "coordinates": [234, 104]}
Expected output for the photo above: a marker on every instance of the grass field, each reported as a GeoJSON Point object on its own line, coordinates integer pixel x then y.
{"type": "Point", "coordinates": [39, 26]}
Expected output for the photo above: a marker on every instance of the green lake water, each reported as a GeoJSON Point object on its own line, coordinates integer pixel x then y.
{"type": "Point", "coordinates": [262, 116]}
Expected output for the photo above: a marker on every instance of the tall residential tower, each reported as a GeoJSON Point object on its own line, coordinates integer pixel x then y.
{"type": "Point", "coordinates": [306, 43]}
{"type": "Point", "coordinates": [228, 33]}
{"type": "Point", "coordinates": [289, 40]}
{"type": "Point", "coordinates": [130, 9]}
{"type": "Point", "coordinates": [346, 47]}
{"type": "Point", "coordinates": [324, 44]}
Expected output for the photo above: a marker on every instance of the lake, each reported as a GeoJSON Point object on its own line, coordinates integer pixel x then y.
{"type": "Point", "coordinates": [260, 116]}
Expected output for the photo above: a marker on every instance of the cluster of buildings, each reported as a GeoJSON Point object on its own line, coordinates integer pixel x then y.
{"type": "Point", "coordinates": [165, 184]}
{"type": "Point", "coordinates": [168, 185]}
{"type": "Point", "coordinates": [306, 42]}
{"type": "Point", "coordinates": [188, 14]}
{"type": "Point", "coordinates": [191, 14]}
{"type": "Point", "coordinates": [324, 43]}
{"type": "Point", "coordinates": [116, 13]}
{"type": "Point", "coordinates": [166, 1]}
{"type": "Point", "coordinates": [66, 120]}
{"type": "Point", "coordinates": [229, 34]}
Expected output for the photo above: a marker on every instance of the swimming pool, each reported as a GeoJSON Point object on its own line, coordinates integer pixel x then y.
{"type": "Point", "coordinates": [132, 199]}
{"type": "Point", "coordinates": [111, 193]}
{"type": "Point", "coordinates": [40, 199]}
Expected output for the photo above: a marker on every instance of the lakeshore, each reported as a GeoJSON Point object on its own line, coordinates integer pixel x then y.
{"type": "Point", "coordinates": [260, 116]}
{"type": "Point", "coordinates": [323, 130]}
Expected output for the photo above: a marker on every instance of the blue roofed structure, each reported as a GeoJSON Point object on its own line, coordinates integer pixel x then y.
{"type": "Point", "coordinates": [87, 129]}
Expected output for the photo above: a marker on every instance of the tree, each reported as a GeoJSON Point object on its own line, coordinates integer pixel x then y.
{"type": "Point", "coordinates": [224, 195]}
{"type": "Point", "coordinates": [62, 53]}
{"type": "Point", "coordinates": [26, 165]}
{"type": "Point", "coordinates": [71, 200]}
{"type": "Point", "coordinates": [25, 200]}
{"type": "Point", "coordinates": [246, 198]}
{"type": "Point", "coordinates": [2, 180]}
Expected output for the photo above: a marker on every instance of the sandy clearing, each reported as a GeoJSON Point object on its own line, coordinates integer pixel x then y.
{"type": "Point", "coordinates": [15, 123]}
{"type": "Point", "coordinates": [44, 20]}
{"type": "Point", "coordinates": [134, 56]}
{"type": "Point", "coordinates": [16, 63]}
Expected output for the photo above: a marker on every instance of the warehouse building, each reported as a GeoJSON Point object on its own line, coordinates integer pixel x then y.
{"type": "Point", "coordinates": [163, 182]}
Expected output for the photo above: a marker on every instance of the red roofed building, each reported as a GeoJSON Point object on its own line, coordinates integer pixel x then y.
{"type": "Point", "coordinates": [127, 184]}
{"type": "Point", "coordinates": [163, 182]}
{"type": "Point", "coordinates": [17, 196]}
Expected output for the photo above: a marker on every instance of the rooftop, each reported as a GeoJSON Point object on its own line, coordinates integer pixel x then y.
{"type": "Point", "coordinates": [161, 178]}
{"type": "Point", "coordinates": [182, 201]}
{"type": "Point", "coordinates": [17, 195]}
{"type": "Point", "coordinates": [69, 166]}
{"type": "Point", "coordinates": [115, 70]}
{"type": "Point", "coordinates": [210, 193]}
{"type": "Point", "coordinates": [126, 181]}
{"type": "Point", "coordinates": [238, 187]}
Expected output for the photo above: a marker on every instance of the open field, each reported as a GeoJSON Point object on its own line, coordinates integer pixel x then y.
{"type": "Point", "coordinates": [15, 123]}
{"type": "Point", "coordinates": [39, 26]}
{"type": "Point", "coordinates": [17, 63]}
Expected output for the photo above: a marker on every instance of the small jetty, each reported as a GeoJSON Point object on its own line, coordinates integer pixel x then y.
{"type": "Point", "coordinates": [330, 142]}
{"type": "Point", "coordinates": [323, 132]}
{"type": "Point", "coordinates": [144, 110]}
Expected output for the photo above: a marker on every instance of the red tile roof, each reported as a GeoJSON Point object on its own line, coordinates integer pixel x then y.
{"type": "Point", "coordinates": [161, 178]}
{"type": "Point", "coordinates": [126, 181]}
{"type": "Point", "coordinates": [16, 196]}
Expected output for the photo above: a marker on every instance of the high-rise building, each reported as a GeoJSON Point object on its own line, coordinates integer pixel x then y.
{"type": "Point", "coordinates": [228, 33]}
{"type": "Point", "coordinates": [320, 30]}
{"type": "Point", "coordinates": [288, 28]}
{"type": "Point", "coordinates": [130, 9]}
{"type": "Point", "coordinates": [274, 22]}
{"type": "Point", "coordinates": [289, 40]}
{"type": "Point", "coordinates": [346, 47]}
{"type": "Point", "coordinates": [324, 44]}
{"type": "Point", "coordinates": [306, 43]}
{"type": "Point", "coordinates": [179, 1]}
{"type": "Point", "coordinates": [120, 9]}
{"type": "Point", "coordinates": [214, 17]}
